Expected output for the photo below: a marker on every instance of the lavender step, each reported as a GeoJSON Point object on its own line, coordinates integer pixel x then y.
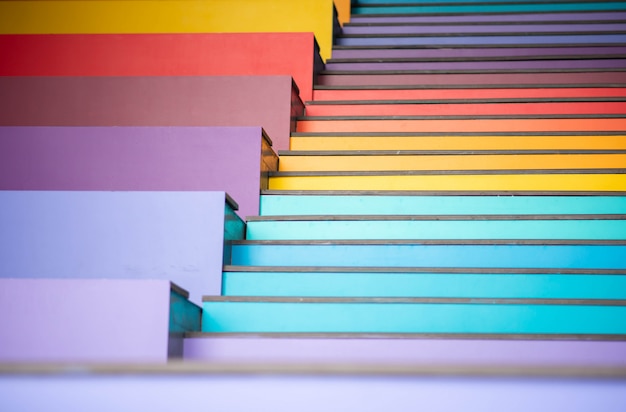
{"type": "Point", "coordinates": [405, 349]}
{"type": "Point", "coordinates": [518, 53]}
{"type": "Point", "coordinates": [270, 102]}
{"type": "Point", "coordinates": [231, 159]}
{"type": "Point", "coordinates": [174, 236]}
{"type": "Point", "coordinates": [484, 40]}
{"type": "Point", "coordinates": [93, 320]}
{"type": "Point", "coordinates": [480, 65]}
{"type": "Point", "coordinates": [312, 388]}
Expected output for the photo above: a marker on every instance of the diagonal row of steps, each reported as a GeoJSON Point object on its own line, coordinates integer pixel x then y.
{"type": "Point", "coordinates": [439, 202]}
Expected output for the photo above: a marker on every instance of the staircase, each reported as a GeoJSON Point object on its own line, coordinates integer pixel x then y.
{"type": "Point", "coordinates": [457, 176]}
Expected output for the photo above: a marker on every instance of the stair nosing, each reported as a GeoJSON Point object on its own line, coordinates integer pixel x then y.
{"type": "Point", "coordinates": [436, 242]}
{"type": "Point", "coordinates": [448, 172]}
{"type": "Point", "coordinates": [529, 152]}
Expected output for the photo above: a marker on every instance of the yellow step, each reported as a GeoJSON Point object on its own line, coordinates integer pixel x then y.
{"type": "Point", "coordinates": [455, 142]}
{"type": "Point", "coordinates": [355, 161]}
{"type": "Point", "coordinates": [565, 181]}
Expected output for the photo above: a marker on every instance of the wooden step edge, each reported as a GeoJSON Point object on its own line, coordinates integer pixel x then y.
{"type": "Point", "coordinates": [408, 336]}
{"type": "Point", "coordinates": [466, 71]}
{"type": "Point", "coordinates": [466, 117]}
{"type": "Point", "coordinates": [430, 301]}
{"type": "Point", "coordinates": [418, 270]}
{"type": "Point", "coordinates": [529, 57]}
{"type": "Point", "coordinates": [448, 172]}
{"type": "Point", "coordinates": [436, 242]}
{"type": "Point", "coordinates": [190, 369]}
{"type": "Point", "coordinates": [537, 22]}
{"type": "Point", "coordinates": [407, 218]}
{"type": "Point", "coordinates": [467, 101]}
{"type": "Point", "coordinates": [564, 194]}
{"type": "Point", "coordinates": [395, 153]}
{"type": "Point", "coordinates": [455, 134]}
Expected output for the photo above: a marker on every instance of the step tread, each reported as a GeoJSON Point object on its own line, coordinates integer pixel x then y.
{"type": "Point", "coordinates": [444, 152]}
{"type": "Point", "coordinates": [486, 217]}
{"type": "Point", "coordinates": [386, 242]}
{"type": "Point", "coordinates": [467, 101]}
{"type": "Point", "coordinates": [467, 71]}
{"type": "Point", "coordinates": [564, 194]}
{"type": "Point", "coordinates": [465, 117]}
{"type": "Point", "coordinates": [529, 57]}
{"type": "Point", "coordinates": [448, 172]}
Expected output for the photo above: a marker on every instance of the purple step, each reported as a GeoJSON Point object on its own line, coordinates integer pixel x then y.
{"type": "Point", "coordinates": [231, 159]}
{"type": "Point", "coordinates": [475, 79]}
{"type": "Point", "coordinates": [489, 28]}
{"type": "Point", "coordinates": [386, 349]}
{"type": "Point", "coordinates": [480, 65]}
{"type": "Point", "coordinates": [173, 236]}
{"type": "Point", "coordinates": [312, 388]}
{"type": "Point", "coordinates": [93, 320]}
{"type": "Point", "coordinates": [270, 102]}
{"type": "Point", "coordinates": [517, 53]}
{"type": "Point", "coordinates": [486, 18]}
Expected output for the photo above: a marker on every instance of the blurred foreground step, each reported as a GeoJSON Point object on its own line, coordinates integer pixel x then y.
{"type": "Point", "coordinates": [330, 203]}
{"type": "Point", "coordinates": [424, 282]}
{"type": "Point", "coordinates": [404, 349]}
{"type": "Point", "coordinates": [312, 386]}
{"type": "Point", "coordinates": [598, 227]}
{"type": "Point", "coordinates": [555, 254]}
{"type": "Point", "coordinates": [459, 141]}
{"type": "Point", "coordinates": [94, 320]}
{"type": "Point", "coordinates": [413, 315]}
{"type": "Point", "coordinates": [381, 160]}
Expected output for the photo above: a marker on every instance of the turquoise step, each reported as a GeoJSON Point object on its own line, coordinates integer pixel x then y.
{"type": "Point", "coordinates": [448, 254]}
{"type": "Point", "coordinates": [433, 8]}
{"type": "Point", "coordinates": [346, 282]}
{"type": "Point", "coordinates": [438, 227]}
{"type": "Point", "coordinates": [230, 314]}
{"type": "Point", "coordinates": [331, 204]}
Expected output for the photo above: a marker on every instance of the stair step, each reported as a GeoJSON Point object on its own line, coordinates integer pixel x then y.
{"type": "Point", "coordinates": [413, 315]}
{"type": "Point", "coordinates": [469, 53]}
{"type": "Point", "coordinates": [441, 181]}
{"type": "Point", "coordinates": [379, 204]}
{"type": "Point", "coordinates": [322, 96]}
{"type": "Point", "coordinates": [574, 254]}
{"type": "Point", "coordinates": [467, 108]}
{"type": "Point", "coordinates": [444, 7]}
{"type": "Point", "coordinates": [297, 161]}
{"type": "Point", "coordinates": [481, 80]}
{"type": "Point", "coordinates": [514, 350]}
{"type": "Point", "coordinates": [437, 227]}
{"type": "Point", "coordinates": [385, 141]}
{"type": "Point", "coordinates": [451, 124]}
{"type": "Point", "coordinates": [475, 18]}
{"type": "Point", "coordinates": [461, 283]}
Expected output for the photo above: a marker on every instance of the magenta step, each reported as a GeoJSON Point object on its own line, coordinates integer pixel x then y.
{"type": "Point", "coordinates": [93, 320]}
{"type": "Point", "coordinates": [387, 349]}
{"type": "Point", "coordinates": [514, 18]}
{"type": "Point", "coordinates": [599, 78]}
{"type": "Point", "coordinates": [270, 102]}
{"type": "Point", "coordinates": [503, 28]}
{"type": "Point", "coordinates": [231, 159]}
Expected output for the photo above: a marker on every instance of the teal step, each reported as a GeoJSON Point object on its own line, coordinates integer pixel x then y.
{"type": "Point", "coordinates": [443, 8]}
{"type": "Point", "coordinates": [598, 227]}
{"type": "Point", "coordinates": [447, 254]}
{"type": "Point", "coordinates": [377, 204]}
{"type": "Point", "coordinates": [371, 315]}
{"type": "Point", "coordinates": [346, 282]}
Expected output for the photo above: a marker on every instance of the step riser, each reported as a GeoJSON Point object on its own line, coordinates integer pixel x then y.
{"type": "Point", "coordinates": [426, 285]}
{"type": "Point", "coordinates": [497, 29]}
{"type": "Point", "coordinates": [482, 18]}
{"type": "Point", "coordinates": [475, 52]}
{"type": "Point", "coordinates": [520, 229]}
{"type": "Point", "coordinates": [468, 109]}
{"type": "Point", "coordinates": [294, 163]}
{"type": "Point", "coordinates": [490, 65]}
{"type": "Point", "coordinates": [528, 40]}
{"type": "Point", "coordinates": [481, 79]}
{"type": "Point", "coordinates": [464, 126]}
{"type": "Point", "coordinates": [583, 142]}
{"type": "Point", "coordinates": [450, 256]}
{"type": "Point", "coordinates": [439, 205]}
{"type": "Point", "coordinates": [491, 8]}
{"type": "Point", "coordinates": [410, 318]}
{"type": "Point", "coordinates": [478, 183]}
{"type": "Point", "coordinates": [462, 94]}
